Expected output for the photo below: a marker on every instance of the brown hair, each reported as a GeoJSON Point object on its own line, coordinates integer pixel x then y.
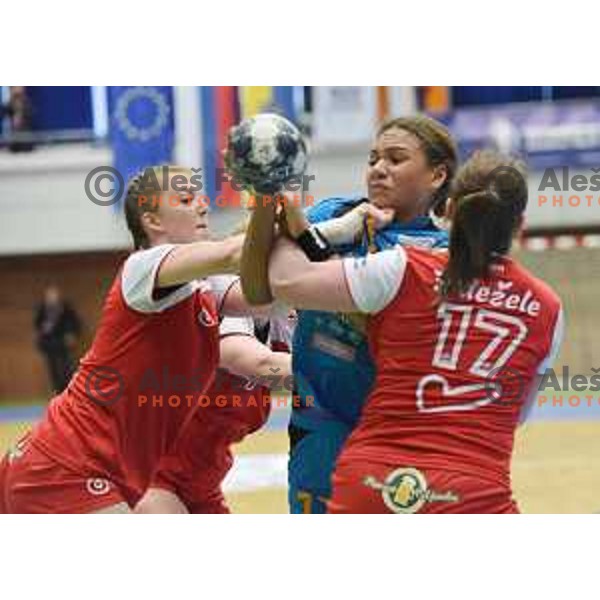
{"type": "Point", "coordinates": [142, 197]}
{"type": "Point", "coordinates": [437, 144]}
{"type": "Point", "coordinates": [490, 196]}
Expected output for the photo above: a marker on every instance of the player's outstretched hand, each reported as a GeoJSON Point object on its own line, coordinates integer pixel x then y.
{"type": "Point", "coordinates": [349, 227]}
{"type": "Point", "coordinates": [381, 217]}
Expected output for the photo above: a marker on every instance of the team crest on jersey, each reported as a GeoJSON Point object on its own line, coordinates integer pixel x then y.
{"type": "Point", "coordinates": [97, 486]}
{"type": "Point", "coordinates": [405, 491]}
{"type": "Point", "coordinates": [206, 318]}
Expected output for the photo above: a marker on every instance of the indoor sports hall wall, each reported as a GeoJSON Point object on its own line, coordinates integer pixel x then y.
{"type": "Point", "coordinates": [575, 275]}
{"type": "Point", "coordinates": [45, 210]}
{"type": "Point", "coordinates": [84, 279]}
{"type": "Point", "coordinates": [44, 207]}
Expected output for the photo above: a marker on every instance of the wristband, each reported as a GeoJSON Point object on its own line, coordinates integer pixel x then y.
{"type": "Point", "coordinates": [314, 245]}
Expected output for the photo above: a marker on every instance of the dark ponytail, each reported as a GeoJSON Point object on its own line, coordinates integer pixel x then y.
{"type": "Point", "coordinates": [490, 195]}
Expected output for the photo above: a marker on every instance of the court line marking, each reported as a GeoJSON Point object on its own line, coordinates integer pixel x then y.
{"type": "Point", "coordinates": [251, 472]}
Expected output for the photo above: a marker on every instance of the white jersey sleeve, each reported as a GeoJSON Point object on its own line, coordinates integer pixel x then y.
{"type": "Point", "coordinates": [236, 326]}
{"type": "Point", "coordinates": [138, 281]}
{"type": "Point", "coordinates": [374, 280]}
{"type": "Point", "coordinates": [557, 338]}
{"type": "Point", "coordinates": [220, 285]}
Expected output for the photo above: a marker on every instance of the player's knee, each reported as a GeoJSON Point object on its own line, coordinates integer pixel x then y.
{"type": "Point", "coordinates": [162, 502]}
{"type": "Point", "coordinates": [121, 508]}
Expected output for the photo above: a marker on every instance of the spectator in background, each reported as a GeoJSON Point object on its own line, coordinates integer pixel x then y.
{"type": "Point", "coordinates": [19, 113]}
{"type": "Point", "coordinates": [57, 327]}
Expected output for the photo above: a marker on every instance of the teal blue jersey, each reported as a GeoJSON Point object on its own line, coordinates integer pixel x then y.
{"type": "Point", "coordinates": [331, 359]}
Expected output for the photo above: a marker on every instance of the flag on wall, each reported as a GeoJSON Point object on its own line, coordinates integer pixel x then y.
{"type": "Point", "coordinates": [266, 98]}
{"type": "Point", "coordinates": [219, 110]}
{"type": "Point", "coordinates": [141, 127]}
{"type": "Point", "coordinates": [255, 99]}
{"type": "Point", "coordinates": [436, 99]}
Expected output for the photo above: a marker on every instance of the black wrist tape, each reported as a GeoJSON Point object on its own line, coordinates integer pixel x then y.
{"type": "Point", "coordinates": [314, 245]}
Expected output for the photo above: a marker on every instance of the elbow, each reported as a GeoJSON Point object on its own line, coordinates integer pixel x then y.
{"type": "Point", "coordinates": [274, 368]}
{"type": "Point", "coordinates": [281, 277]}
{"type": "Point", "coordinates": [295, 286]}
{"type": "Point", "coordinates": [249, 367]}
{"type": "Point", "coordinates": [263, 363]}
{"type": "Point", "coordinates": [283, 286]}
{"type": "Point", "coordinates": [289, 271]}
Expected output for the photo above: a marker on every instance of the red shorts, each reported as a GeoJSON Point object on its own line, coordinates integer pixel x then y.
{"type": "Point", "coordinates": [367, 487]}
{"type": "Point", "coordinates": [197, 484]}
{"type": "Point", "coordinates": [31, 482]}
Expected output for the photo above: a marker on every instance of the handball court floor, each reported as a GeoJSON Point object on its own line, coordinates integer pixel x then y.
{"type": "Point", "coordinates": [556, 467]}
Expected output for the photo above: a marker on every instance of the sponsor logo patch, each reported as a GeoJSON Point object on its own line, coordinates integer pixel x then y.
{"type": "Point", "coordinates": [405, 491]}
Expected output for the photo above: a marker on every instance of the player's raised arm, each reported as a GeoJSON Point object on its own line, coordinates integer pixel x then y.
{"type": "Point", "coordinates": [187, 262]}
{"type": "Point", "coordinates": [365, 285]}
{"type": "Point", "coordinates": [303, 284]}
{"type": "Point", "coordinates": [260, 236]}
{"type": "Point", "coordinates": [247, 357]}
{"type": "Point", "coordinates": [315, 242]}
{"type": "Point", "coordinates": [254, 264]}
{"type": "Point", "coordinates": [302, 276]}
{"type": "Point", "coordinates": [162, 208]}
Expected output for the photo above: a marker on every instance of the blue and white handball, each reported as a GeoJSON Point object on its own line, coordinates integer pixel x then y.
{"type": "Point", "coordinates": [264, 152]}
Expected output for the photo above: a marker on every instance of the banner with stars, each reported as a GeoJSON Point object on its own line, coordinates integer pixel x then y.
{"type": "Point", "coordinates": [141, 127]}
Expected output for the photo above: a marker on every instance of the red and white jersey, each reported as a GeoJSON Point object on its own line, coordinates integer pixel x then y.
{"type": "Point", "coordinates": [452, 374]}
{"type": "Point", "coordinates": [245, 406]}
{"type": "Point", "coordinates": [252, 410]}
{"type": "Point", "coordinates": [120, 412]}
{"type": "Point", "coordinates": [234, 408]}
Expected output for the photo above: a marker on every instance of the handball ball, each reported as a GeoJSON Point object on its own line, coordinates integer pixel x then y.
{"type": "Point", "coordinates": [264, 152]}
